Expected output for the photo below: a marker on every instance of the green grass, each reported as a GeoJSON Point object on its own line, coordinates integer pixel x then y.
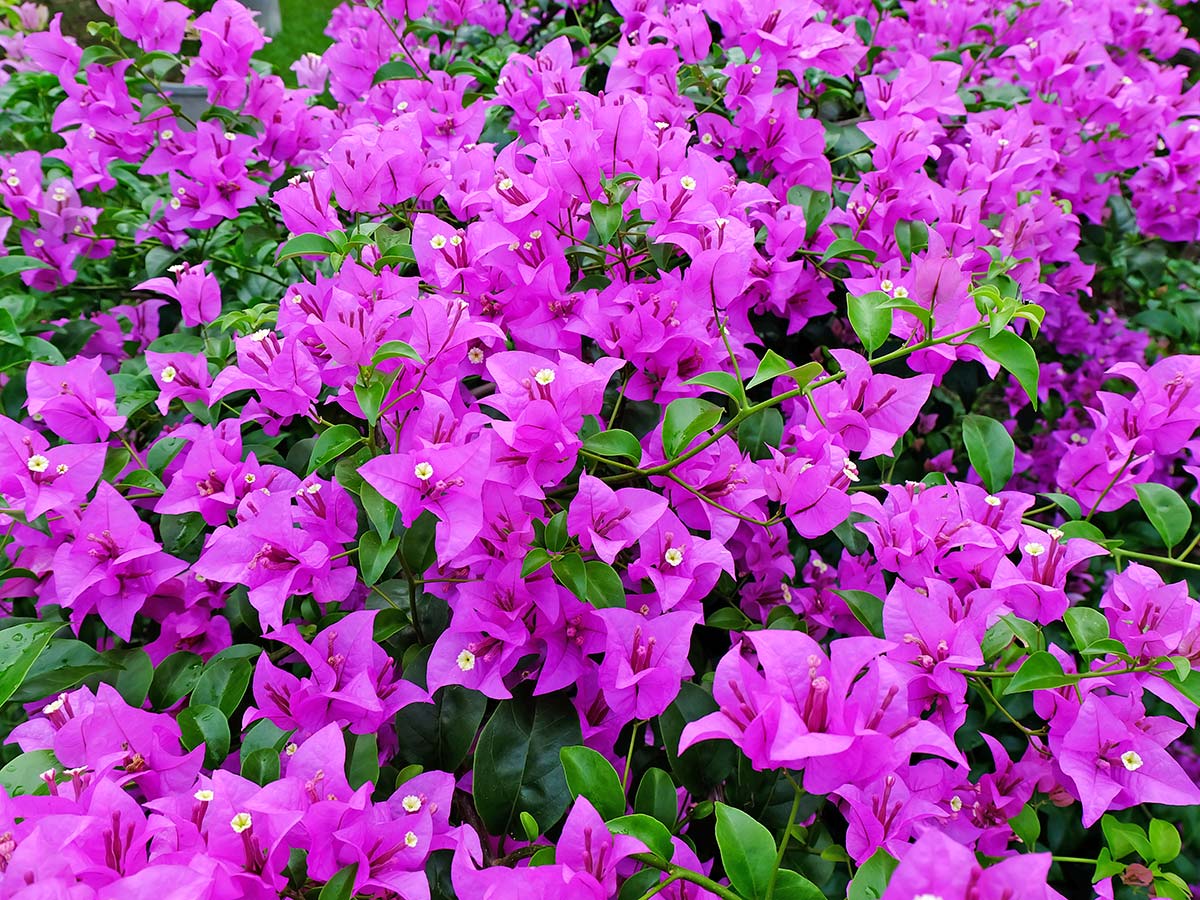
{"type": "Point", "coordinates": [303, 32]}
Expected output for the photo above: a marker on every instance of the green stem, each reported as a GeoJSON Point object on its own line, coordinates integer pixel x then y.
{"type": "Point", "coordinates": [1149, 557]}
{"type": "Point", "coordinates": [1111, 485]}
{"type": "Point", "coordinates": [1075, 859]}
{"type": "Point", "coordinates": [1187, 551]}
{"type": "Point", "coordinates": [662, 885]}
{"type": "Point", "coordinates": [787, 834]}
{"type": "Point", "coordinates": [649, 859]}
{"type": "Point", "coordinates": [629, 756]}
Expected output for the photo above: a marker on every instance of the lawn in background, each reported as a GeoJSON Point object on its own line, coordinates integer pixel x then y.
{"type": "Point", "coordinates": [303, 32]}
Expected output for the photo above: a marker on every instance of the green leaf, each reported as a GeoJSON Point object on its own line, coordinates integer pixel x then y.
{"type": "Point", "coordinates": [332, 443]}
{"type": "Point", "coordinates": [20, 646]}
{"type": "Point", "coordinates": [590, 774]}
{"type": "Point", "coordinates": [374, 555]}
{"type": "Point", "coordinates": [758, 432]}
{"type": "Point", "coordinates": [22, 775]}
{"type": "Point", "coordinates": [706, 765]}
{"type": "Point", "coordinates": [161, 454]}
{"type": "Point", "coordinates": [656, 797]}
{"type": "Point", "coordinates": [615, 444]}
{"type": "Point", "coordinates": [791, 885]}
{"type": "Point", "coordinates": [62, 666]}
{"type": "Point", "coordinates": [1066, 503]}
{"type": "Point", "coordinates": [847, 248]}
{"type": "Point", "coordinates": [535, 559]}
{"type": "Point", "coordinates": [1166, 510]}
{"type": "Point", "coordinates": [873, 876]}
{"type": "Point", "coordinates": [747, 851]}
{"type": "Point", "coordinates": [911, 237]}
{"type": "Point", "coordinates": [723, 382]}
{"type": "Point", "coordinates": [530, 826]}
{"type": "Point", "coordinates": [555, 536]}
{"type": "Point", "coordinates": [773, 365]}
{"type": "Point", "coordinates": [1027, 826]}
{"type": "Point", "coordinates": [380, 511]}
{"type": "Point", "coordinates": [222, 684]}
{"type": "Point", "coordinates": [132, 680]}
{"type": "Point", "coordinates": [396, 350]}
{"type": "Point", "coordinates": [207, 725]}
{"type": "Point", "coordinates": [416, 547]}
{"type": "Point", "coordinates": [1015, 355]}
{"type": "Point", "coordinates": [990, 449]}
{"type": "Point", "coordinates": [341, 885]}
{"type": "Point", "coordinates": [362, 766]}
{"type": "Point", "coordinates": [370, 399]}
{"type": "Point", "coordinates": [871, 321]}
{"type": "Point", "coordinates": [866, 607]}
{"type": "Point", "coordinates": [1040, 671]}
{"type": "Point", "coordinates": [650, 832]}
{"type": "Point", "coordinates": [815, 205]}
{"type": "Point", "coordinates": [604, 588]}
{"type": "Point", "coordinates": [607, 217]}
{"type": "Point", "coordinates": [1165, 843]}
{"type": "Point", "coordinates": [570, 572]}
{"type": "Point", "coordinates": [12, 265]}
{"type": "Point", "coordinates": [1124, 838]}
{"type": "Point", "coordinates": [1087, 626]}
{"type": "Point", "coordinates": [684, 420]}
{"type": "Point", "coordinates": [306, 245]}
{"type": "Point", "coordinates": [261, 766]}
{"type": "Point", "coordinates": [517, 766]}
{"type": "Point", "coordinates": [174, 677]}
{"type": "Point", "coordinates": [394, 70]}
{"type": "Point", "coordinates": [439, 735]}
{"type": "Point", "coordinates": [1082, 529]}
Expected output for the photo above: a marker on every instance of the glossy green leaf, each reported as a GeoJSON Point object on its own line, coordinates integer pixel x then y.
{"type": "Point", "coordinates": [685, 419]}
{"type": "Point", "coordinates": [396, 350]}
{"type": "Point", "coordinates": [1015, 355]}
{"type": "Point", "coordinates": [439, 735]}
{"type": "Point", "coordinates": [607, 218]}
{"type": "Point", "coordinates": [705, 765]}
{"type": "Point", "coordinates": [332, 443]}
{"type": "Point", "coordinates": [261, 766]}
{"type": "Point", "coordinates": [990, 449]}
{"type": "Point", "coordinates": [723, 382]}
{"type": "Point", "coordinates": [657, 797]}
{"type": "Point", "coordinates": [20, 646]}
{"type": "Point", "coordinates": [207, 725]}
{"type": "Point", "coordinates": [604, 587]}
{"type": "Point", "coordinates": [517, 764]}
{"type": "Point", "coordinates": [394, 70]}
{"type": "Point", "coordinates": [614, 444]}
{"type": "Point", "coordinates": [1166, 510]}
{"type": "Point", "coordinates": [223, 684]}
{"type": "Point", "coordinates": [871, 321]}
{"type": "Point", "coordinates": [791, 885]}
{"type": "Point", "coordinates": [13, 265]}
{"type": "Point", "coordinates": [760, 431]}
{"type": "Point", "coordinates": [590, 774]}
{"type": "Point", "coordinates": [174, 677]}
{"type": "Point", "coordinates": [535, 559]}
{"type": "Point", "coordinates": [1165, 843]}
{"type": "Point", "coordinates": [1087, 626]}
{"type": "Point", "coordinates": [866, 607]}
{"type": "Point", "coordinates": [306, 245]}
{"type": "Point", "coordinates": [341, 885]}
{"type": "Point", "coordinates": [22, 775]}
{"type": "Point", "coordinates": [1040, 671]}
{"type": "Point", "coordinates": [872, 877]}
{"type": "Point", "coordinates": [747, 851]}
{"type": "Point", "coordinates": [650, 832]}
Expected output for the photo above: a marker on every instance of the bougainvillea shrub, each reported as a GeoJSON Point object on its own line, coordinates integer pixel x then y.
{"type": "Point", "coordinates": [601, 450]}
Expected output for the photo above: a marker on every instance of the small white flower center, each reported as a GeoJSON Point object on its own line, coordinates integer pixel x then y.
{"type": "Point", "coordinates": [410, 839]}
{"type": "Point", "coordinates": [466, 661]}
{"type": "Point", "coordinates": [411, 803]}
{"type": "Point", "coordinates": [241, 822]}
{"type": "Point", "coordinates": [673, 556]}
{"type": "Point", "coordinates": [1033, 548]}
{"type": "Point", "coordinates": [688, 183]}
{"type": "Point", "coordinates": [438, 241]}
{"type": "Point", "coordinates": [544, 376]}
{"type": "Point", "coordinates": [204, 796]}
{"type": "Point", "coordinates": [168, 374]}
{"type": "Point", "coordinates": [38, 463]}
{"type": "Point", "coordinates": [1131, 760]}
{"type": "Point", "coordinates": [423, 471]}
{"type": "Point", "coordinates": [991, 500]}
